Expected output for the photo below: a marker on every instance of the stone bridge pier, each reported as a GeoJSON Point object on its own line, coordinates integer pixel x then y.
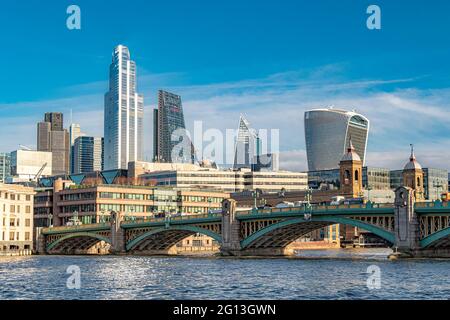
{"type": "Point", "coordinates": [231, 237]}
{"type": "Point", "coordinates": [117, 234]}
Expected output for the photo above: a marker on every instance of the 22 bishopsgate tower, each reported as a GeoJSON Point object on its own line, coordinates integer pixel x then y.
{"type": "Point", "coordinates": [124, 113]}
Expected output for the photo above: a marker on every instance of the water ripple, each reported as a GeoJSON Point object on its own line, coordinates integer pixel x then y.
{"type": "Point", "coordinates": [343, 277]}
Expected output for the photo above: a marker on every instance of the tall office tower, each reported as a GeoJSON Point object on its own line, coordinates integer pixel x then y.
{"type": "Point", "coordinates": [328, 132]}
{"type": "Point", "coordinates": [170, 120]}
{"type": "Point", "coordinates": [74, 133]}
{"type": "Point", "coordinates": [246, 143]}
{"type": "Point", "coordinates": [52, 137]}
{"type": "Point", "coordinates": [155, 135]}
{"type": "Point", "coordinates": [5, 167]}
{"type": "Point", "coordinates": [88, 154]}
{"type": "Point", "coordinates": [55, 119]}
{"type": "Point", "coordinates": [124, 113]}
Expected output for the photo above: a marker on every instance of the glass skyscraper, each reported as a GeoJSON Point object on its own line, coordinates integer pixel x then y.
{"type": "Point", "coordinates": [124, 113]}
{"type": "Point", "coordinates": [74, 133]}
{"type": "Point", "coordinates": [5, 167]}
{"type": "Point", "coordinates": [169, 120]}
{"type": "Point", "coordinates": [245, 145]}
{"type": "Point", "coordinates": [327, 133]}
{"type": "Point", "coordinates": [87, 154]}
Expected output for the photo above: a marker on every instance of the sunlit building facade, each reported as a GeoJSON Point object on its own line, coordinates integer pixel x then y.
{"type": "Point", "coordinates": [124, 113]}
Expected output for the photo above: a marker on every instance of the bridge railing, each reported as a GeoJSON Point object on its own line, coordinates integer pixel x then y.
{"type": "Point", "coordinates": [78, 228]}
{"type": "Point", "coordinates": [313, 208]}
{"type": "Point", "coordinates": [433, 204]}
{"type": "Point", "coordinates": [131, 220]}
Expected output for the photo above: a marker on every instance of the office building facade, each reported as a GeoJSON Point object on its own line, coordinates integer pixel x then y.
{"type": "Point", "coordinates": [229, 180]}
{"type": "Point", "coordinates": [87, 155]}
{"type": "Point", "coordinates": [124, 113]}
{"type": "Point", "coordinates": [52, 137]}
{"type": "Point", "coordinates": [327, 133]}
{"type": "Point", "coordinates": [58, 204]}
{"type": "Point", "coordinates": [435, 182]}
{"type": "Point", "coordinates": [172, 143]}
{"type": "Point", "coordinates": [74, 133]}
{"type": "Point", "coordinates": [5, 167]}
{"type": "Point", "coordinates": [26, 164]}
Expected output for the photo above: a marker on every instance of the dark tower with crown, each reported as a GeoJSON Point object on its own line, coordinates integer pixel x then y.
{"type": "Point", "coordinates": [351, 173]}
{"type": "Point", "coordinates": [413, 176]}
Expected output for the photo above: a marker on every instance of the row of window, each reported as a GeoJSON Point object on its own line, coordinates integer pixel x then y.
{"type": "Point", "coordinates": [15, 222]}
{"type": "Point", "coordinates": [15, 236]}
{"type": "Point", "coordinates": [16, 209]}
{"type": "Point", "coordinates": [13, 196]}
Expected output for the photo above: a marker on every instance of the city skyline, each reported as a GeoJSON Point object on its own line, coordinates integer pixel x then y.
{"type": "Point", "coordinates": [368, 84]}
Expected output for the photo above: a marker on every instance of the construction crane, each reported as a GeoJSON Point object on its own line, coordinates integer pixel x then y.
{"type": "Point", "coordinates": [38, 175]}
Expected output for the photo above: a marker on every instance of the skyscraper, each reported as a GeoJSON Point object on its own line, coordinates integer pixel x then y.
{"type": "Point", "coordinates": [169, 120]}
{"type": "Point", "coordinates": [328, 132]}
{"type": "Point", "coordinates": [5, 166]}
{"type": "Point", "coordinates": [74, 133]}
{"type": "Point", "coordinates": [87, 154]}
{"type": "Point", "coordinates": [52, 137]}
{"type": "Point", "coordinates": [124, 113]}
{"type": "Point", "coordinates": [245, 145]}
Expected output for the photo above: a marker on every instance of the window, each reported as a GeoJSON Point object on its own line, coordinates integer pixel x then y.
{"type": "Point", "coordinates": [346, 177]}
{"type": "Point", "coordinates": [356, 175]}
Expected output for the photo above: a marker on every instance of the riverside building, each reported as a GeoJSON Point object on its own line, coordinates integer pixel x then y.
{"type": "Point", "coordinates": [16, 218]}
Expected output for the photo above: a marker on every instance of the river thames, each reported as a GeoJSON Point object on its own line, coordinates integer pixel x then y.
{"type": "Point", "coordinates": [329, 274]}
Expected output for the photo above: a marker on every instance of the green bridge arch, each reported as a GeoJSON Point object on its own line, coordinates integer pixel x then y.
{"type": "Point", "coordinates": [133, 243]}
{"type": "Point", "coordinates": [389, 236]}
{"type": "Point", "coordinates": [77, 235]}
{"type": "Point", "coordinates": [433, 238]}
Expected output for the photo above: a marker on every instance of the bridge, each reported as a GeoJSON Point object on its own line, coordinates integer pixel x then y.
{"type": "Point", "coordinates": [413, 229]}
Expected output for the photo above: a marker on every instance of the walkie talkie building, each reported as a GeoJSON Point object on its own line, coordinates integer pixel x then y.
{"type": "Point", "coordinates": [327, 133]}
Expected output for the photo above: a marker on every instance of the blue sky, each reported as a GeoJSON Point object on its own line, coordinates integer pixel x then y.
{"type": "Point", "coordinates": [270, 60]}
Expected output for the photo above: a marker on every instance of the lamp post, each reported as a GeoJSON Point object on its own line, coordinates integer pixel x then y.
{"type": "Point", "coordinates": [368, 193]}
{"type": "Point", "coordinates": [209, 205]}
{"type": "Point", "coordinates": [308, 206]}
{"type": "Point", "coordinates": [50, 220]}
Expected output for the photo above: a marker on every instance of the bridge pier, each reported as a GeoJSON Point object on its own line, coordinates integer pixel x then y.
{"type": "Point", "coordinates": [231, 244]}
{"type": "Point", "coordinates": [117, 234]}
{"type": "Point", "coordinates": [406, 224]}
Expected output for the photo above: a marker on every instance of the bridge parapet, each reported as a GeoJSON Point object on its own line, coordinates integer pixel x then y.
{"type": "Point", "coordinates": [79, 228]}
